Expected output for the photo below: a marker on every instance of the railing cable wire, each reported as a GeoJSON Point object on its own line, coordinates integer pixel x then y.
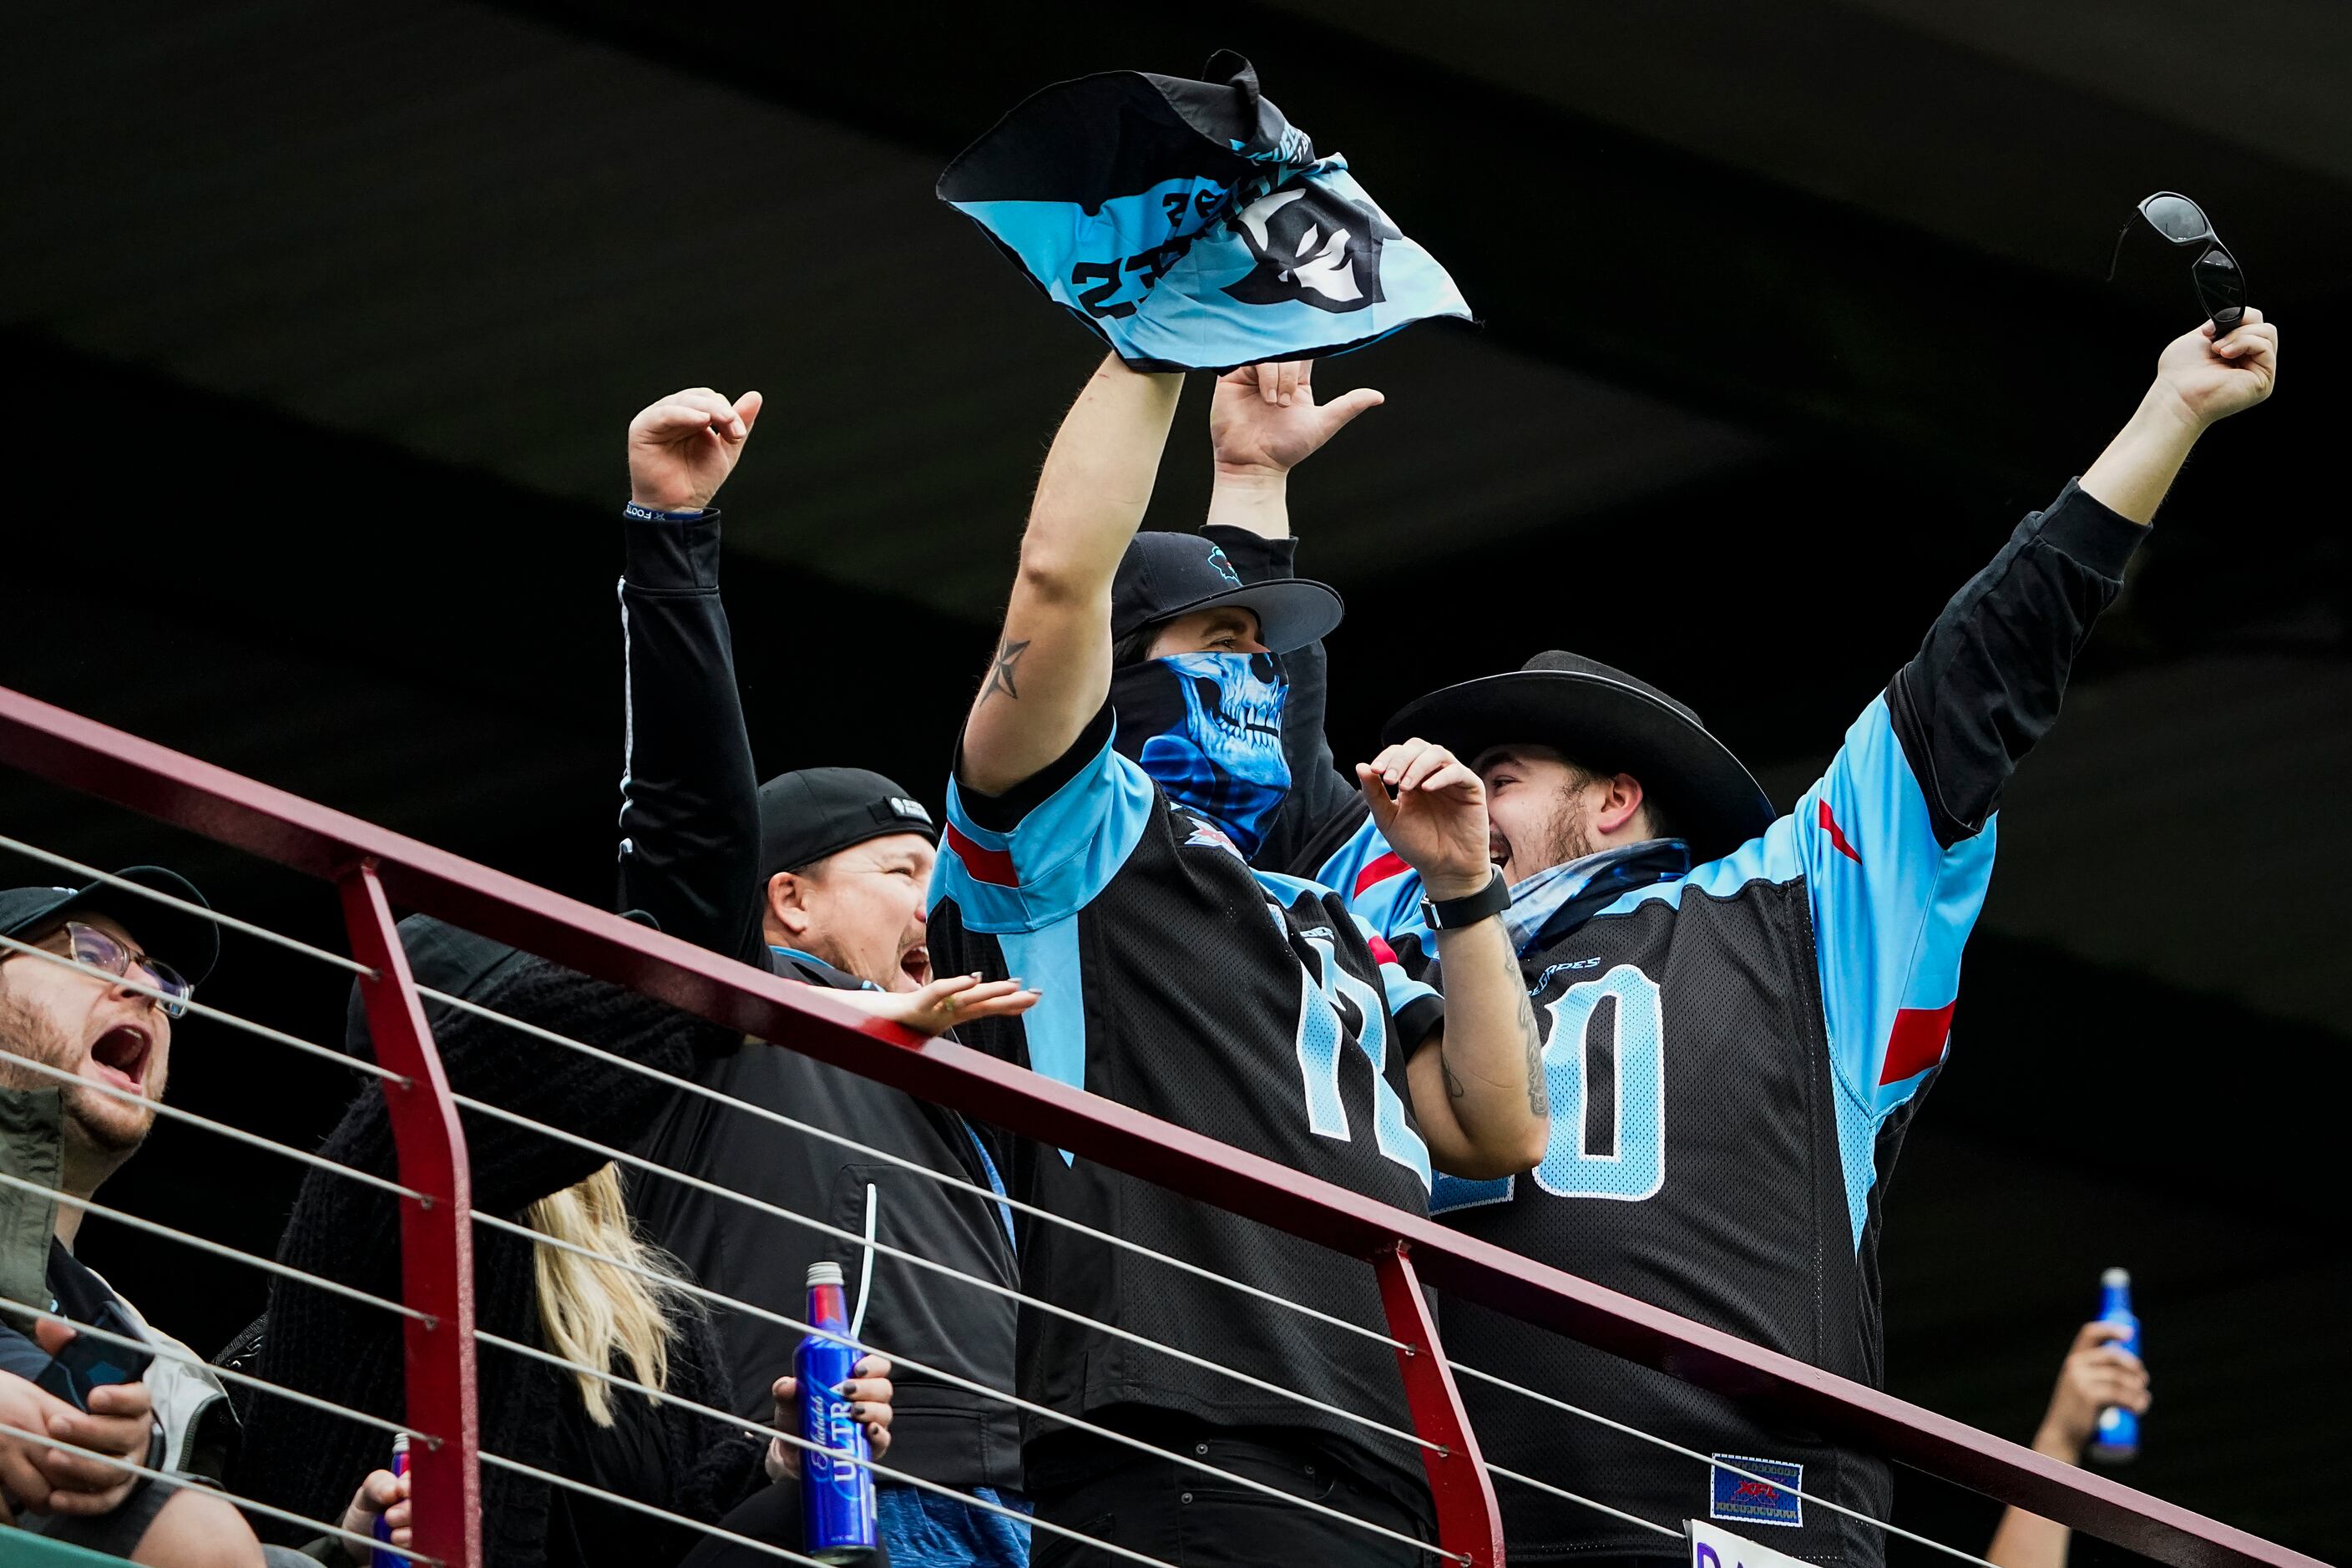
{"type": "Point", "coordinates": [916, 1167]}
{"type": "Point", "coordinates": [875, 1467]}
{"type": "Point", "coordinates": [201, 1010]}
{"type": "Point", "coordinates": [185, 1238]}
{"type": "Point", "coordinates": [622, 1156]}
{"type": "Point", "coordinates": [202, 911]}
{"type": "Point", "coordinates": [702, 1292]}
{"type": "Point", "coordinates": [190, 1358]}
{"type": "Point", "coordinates": [235, 1134]}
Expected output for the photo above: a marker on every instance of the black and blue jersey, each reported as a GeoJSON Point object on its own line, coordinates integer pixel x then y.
{"type": "Point", "coordinates": [1733, 1053]}
{"type": "Point", "coordinates": [1248, 1007]}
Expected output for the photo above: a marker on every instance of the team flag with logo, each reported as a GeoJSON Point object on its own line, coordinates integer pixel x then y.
{"type": "Point", "coordinates": [1192, 226]}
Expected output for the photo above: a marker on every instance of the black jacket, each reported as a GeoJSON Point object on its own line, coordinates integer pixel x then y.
{"type": "Point", "coordinates": [350, 1352]}
{"type": "Point", "coordinates": [690, 855]}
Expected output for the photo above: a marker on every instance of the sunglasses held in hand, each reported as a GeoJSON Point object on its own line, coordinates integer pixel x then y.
{"type": "Point", "coordinates": [2220, 281]}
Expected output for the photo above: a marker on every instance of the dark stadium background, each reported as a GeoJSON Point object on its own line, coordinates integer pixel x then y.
{"type": "Point", "coordinates": [322, 325]}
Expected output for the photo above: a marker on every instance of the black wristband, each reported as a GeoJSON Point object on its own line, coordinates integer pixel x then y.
{"type": "Point", "coordinates": [1453, 914]}
{"type": "Point", "coordinates": [637, 513]}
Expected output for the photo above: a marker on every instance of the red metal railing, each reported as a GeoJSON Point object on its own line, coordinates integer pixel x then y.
{"type": "Point", "coordinates": [67, 750]}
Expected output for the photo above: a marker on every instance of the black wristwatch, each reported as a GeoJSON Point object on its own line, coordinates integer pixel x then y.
{"type": "Point", "coordinates": [1453, 914]}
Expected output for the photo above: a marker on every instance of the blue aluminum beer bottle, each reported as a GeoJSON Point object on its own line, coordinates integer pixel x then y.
{"type": "Point", "coordinates": [836, 1497]}
{"type": "Point", "coordinates": [384, 1556]}
{"type": "Point", "coordinates": [2116, 1438]}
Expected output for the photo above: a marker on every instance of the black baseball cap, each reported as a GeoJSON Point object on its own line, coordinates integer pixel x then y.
{"type": "Point", "coordinates": [189, 944]}
{"type": "Point", "coordinates": [809, 815]}
{"type": "Point", "coordinates": [1163, 576]}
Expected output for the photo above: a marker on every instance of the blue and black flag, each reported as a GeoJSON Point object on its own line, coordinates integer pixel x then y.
{"type": "Point", "coordinates": [1192, 226]}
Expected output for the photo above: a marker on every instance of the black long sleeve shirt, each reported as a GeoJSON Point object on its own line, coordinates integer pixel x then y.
{"type": "Point", "coordinates": [690, 855]}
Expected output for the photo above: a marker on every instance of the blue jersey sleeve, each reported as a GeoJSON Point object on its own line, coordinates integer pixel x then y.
{"type": "Point", "coordinates": [1038, 853]}
{"type": "Point", "coordinates": [1415, 1004]}
{"type": "Point", "coordinates": [1897, 839]}
{"type": "Point", "coordinates": [1893, 906]}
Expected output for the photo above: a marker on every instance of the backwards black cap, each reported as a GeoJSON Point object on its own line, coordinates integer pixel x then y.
{"type": "Point", "coordinates": [809, 815]}
{"type": "Point", "coordinates": [1163, 576]}
{"type": "Point", "coordinates": [188, 943]}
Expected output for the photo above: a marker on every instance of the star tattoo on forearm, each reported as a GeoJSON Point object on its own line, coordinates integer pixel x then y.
{"type": "Point", "coordinates": [1000, 672]}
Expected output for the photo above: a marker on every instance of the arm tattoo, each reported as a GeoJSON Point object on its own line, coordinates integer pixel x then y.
{"type": "Point", "coordinates": [1539, 1090]}
{"type": "Point", "coordinates": [1454, 1088]}
{"type": "Point", "coordinates": [1000, 673]}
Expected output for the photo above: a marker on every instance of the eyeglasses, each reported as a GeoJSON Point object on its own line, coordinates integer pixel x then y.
{"type": "Point", "coordinates": [2221, 282]}
{"type": "Point", "coordinates": [90, 946]}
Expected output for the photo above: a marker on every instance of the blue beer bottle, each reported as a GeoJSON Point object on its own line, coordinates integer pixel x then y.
{"type": "Point", "coordinates": [836, 1497]}
{"type": "Point", "coordinates": [2116, 1439]}
{"type": "Point", "coordinates": [384, 1556]}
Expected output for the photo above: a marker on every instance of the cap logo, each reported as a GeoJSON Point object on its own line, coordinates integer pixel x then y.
{"type": "Point", "coordinates": [904, 810]}
{"type": "Point", "coordinates": [1225, 567]}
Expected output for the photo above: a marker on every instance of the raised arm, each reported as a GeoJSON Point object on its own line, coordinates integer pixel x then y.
{"type": "Point", "coordinates": [1264, 421]}
{"type": "Point", "coordinates": [1896, 841]}
{"type": "Point", "coordinates": [2096, 1375]}
{"type": "Point", "coordinates": [1478, 1089]}
{"type": "Point", "coordinates": [689, 799]}
{"type": "Point", "coordinates": [1051, 670]}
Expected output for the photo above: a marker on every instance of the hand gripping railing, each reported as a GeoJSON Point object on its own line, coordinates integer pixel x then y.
{"type": "Point", "coordinates": [372, 866]}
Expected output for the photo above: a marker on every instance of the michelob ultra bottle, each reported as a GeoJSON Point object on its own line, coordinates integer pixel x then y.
{"type": "Point", "coordinates": [836, 1497]}
{"type": "Point", "coordinates": [2116, 1438]}
{"type": "Point", "coordinates": [384, 1556]}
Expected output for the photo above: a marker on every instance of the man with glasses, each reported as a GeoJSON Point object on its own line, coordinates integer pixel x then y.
{"type": "Point", "coordinates": [92, 980]}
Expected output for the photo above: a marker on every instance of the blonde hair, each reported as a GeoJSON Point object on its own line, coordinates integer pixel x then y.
{"type": "Point", "coordinates": [595, 1313]}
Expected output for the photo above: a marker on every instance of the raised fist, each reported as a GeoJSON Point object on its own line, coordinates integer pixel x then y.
{"type": "Point", "coordinates": [2214, 379]}
{"type": "Point", "coordinates": [682, 448]}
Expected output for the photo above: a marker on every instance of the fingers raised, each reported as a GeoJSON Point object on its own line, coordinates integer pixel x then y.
{"type": "Point", "coordinates": [1343, 408]}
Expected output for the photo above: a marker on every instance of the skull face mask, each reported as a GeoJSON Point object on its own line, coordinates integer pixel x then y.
{"type": "Point", "coordinates": [1207, 726]}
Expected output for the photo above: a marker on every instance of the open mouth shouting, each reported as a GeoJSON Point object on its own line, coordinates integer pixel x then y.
{"type": "Point", "coordinates": [916, 965]}
{"type": "Point", "coordinates": [121, 1056]}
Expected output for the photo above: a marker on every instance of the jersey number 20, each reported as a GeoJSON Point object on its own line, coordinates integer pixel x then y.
{"type": "Point", "coordinates": [1608, 1099]}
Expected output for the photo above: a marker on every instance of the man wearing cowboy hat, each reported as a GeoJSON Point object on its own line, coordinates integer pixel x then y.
{"type": "Point", "coordinates": [1741, 1009]}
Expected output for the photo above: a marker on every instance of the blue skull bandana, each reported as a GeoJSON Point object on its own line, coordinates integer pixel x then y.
{"type": "Point", "coordinates": [1190, 226]}
{"type": "Point", "coordinates": [1207, 726]}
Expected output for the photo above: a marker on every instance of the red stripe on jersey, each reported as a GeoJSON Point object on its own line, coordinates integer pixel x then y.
{"type": "Point", "coordinates": [1837, 836]}
{"type": "Point", "coordinates": [1389, 865]}
{"type": "Point", "coordinates": [1916, 1041]}
{"type": "Point", "coordinates": [1381, 951]}
{"type": "Point", "coordinates": [986, 865]}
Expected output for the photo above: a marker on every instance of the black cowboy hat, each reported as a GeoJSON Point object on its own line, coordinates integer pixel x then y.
{"type": "Point", "coordinates": [1602, 719]}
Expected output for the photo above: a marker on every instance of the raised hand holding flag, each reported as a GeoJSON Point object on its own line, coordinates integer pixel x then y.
{"type": "Point", "coordinates": [1190, 226]}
